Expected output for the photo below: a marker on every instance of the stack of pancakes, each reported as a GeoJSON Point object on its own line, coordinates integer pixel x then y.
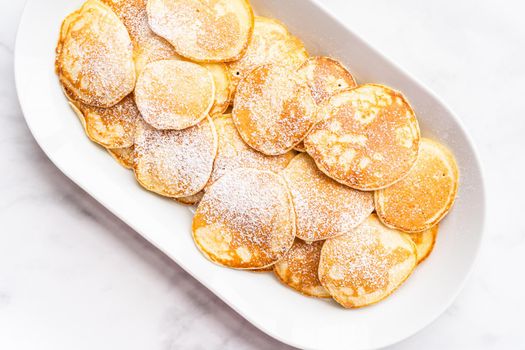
{"type": "Point", "coordinates": [296, 168]}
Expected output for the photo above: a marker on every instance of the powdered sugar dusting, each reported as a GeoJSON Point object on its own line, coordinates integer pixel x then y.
{"type": "Point", "coordinates": [254, 209]}
{"type": "Point", "coordinates": [299, 268]}
{"type": "Point", "coordinates": [273, 109]}
{"type": "Point", "coordinates": [175, 163]}
{"type": "Point", "coordinates": [94, 56]}
{"type": "Point", "coordinates": [234, 153]}
{"type": "Point", "coordinates": [366, 264]}
{"type": "Point", "coordinates": [324, 208]}
{"type": "Point", "coordinates": [203, 30]}
{"type": "Point", "coordinates": [173, 94]}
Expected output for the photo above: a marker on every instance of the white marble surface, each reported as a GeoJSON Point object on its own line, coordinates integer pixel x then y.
{"type": "Point", "coordinates": [72, 276]}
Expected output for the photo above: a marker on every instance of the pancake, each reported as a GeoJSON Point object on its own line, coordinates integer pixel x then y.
{"type": "Point", "coordinates": [174, 94]}
{"type": "Point", "coordinates": [233, 153]}
{"type": "Point", "coordinates": [422, 198]}
{"type": "Point", "coordinates": [325, 77]}
{"type": "Point", "coordinates": [367, 264]}
{"type": "Point", "coordinates": [112, 127]}
{"type": "Point", "coordinates": [191, 200]}
{"type": "Point", "coordinates": [424, 242]}
{"type": "Point", "coordinates": [175, 163]}
{"type": "Point", "coordinates": [245, 220]}
{"type": "Point", "coordinates": [324, 208]}
{"type": "Point", "coordinates": [273, 109]}
{"type": "Point", "coordinates": [367, 137]}
{"type": "Point", "coordinates": [124, 156]}
{"type": "Point", "coordinates": [147, 46]}
{"type": "Point", "coordinates": [94, 56]}
{"type": "Point", "coordinates": [271, 43]}
{"type": "Point", "coordinates": [203, 31]}
{"type": "Point", "coordinates": [298, 269]}
{"type": "Point", "coordinates": [223, 87]}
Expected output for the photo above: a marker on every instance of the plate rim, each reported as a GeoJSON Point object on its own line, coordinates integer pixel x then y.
{"type": "Point", "coordinates": [328, 12]}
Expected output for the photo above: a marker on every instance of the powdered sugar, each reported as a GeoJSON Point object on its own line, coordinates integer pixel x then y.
{"type": "Point", "coordinates": [175, 163]}
{"type": "Point", "coordinates": [273, 109]}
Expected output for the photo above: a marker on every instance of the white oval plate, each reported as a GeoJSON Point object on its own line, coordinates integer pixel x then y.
{"type": "Point", "coordinates": [280, 312]}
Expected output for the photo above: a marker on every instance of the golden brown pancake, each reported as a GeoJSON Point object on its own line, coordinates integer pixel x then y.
{"type": "Point", "coordinates": [367, 264]}
{"type": "Point", "coordinates": [175, 163]}
{"type": "Point", "coordinates": [233, 153]}
{"type": "Point", "coordinates": [298, 269]}
{"type": "Point", "coordinates": [271, 43]}
{"type": "Point", "coordinates": [94, 56]}
{"type": "Point", "coordinates": [203, 30]}
{"type": "Point", "coordinates": [324, 208]}
{"type": "Point", "coordinates": [325, 77]}
{"type": "Point", "coordinates": [112, 127]}
{"type": "Point", "coordinates": [367, 138]}
{"type": "Point", "coordinates": [245, 220]}
{"type": "Point", "coordinates": [174, 94]}
{"type": "Point", "coordinates": [273, 109]}
{"type": "Point", "coordinates": [424, 242]}
{"type": "Point", "coordinates": [124, 156]}
{"type": "Point", "coordinates": [423, 197]}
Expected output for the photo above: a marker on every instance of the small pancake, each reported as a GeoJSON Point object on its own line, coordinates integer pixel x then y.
{"type": "Point", "coordinates": [191, 200]}
{"type": "Point", "coordinates": [175, 163]}
{"type": "Point", "coordinates": [367, 137]}
{"type": "Point", "coordinates": [223, 87]}
{"type": "Point", "coordinates": [203, 31]}
{"type": "Point", "coordinates": [325, 77]}
{"type": "Point", "coordinates": [233, 153]}
{"type": "Point", "coordinates": [174, 94]}
{"type": "Point", "coordinates": [273, 109]}
{"type": "Point", "coordinates": [94, 56]}
{"type": "Point", "coordinates": [124, 156]}
{"type": "Point", "coordinates": [298, 269]}
{"type": "Point", "coordinates": [423, 197]}
{"type": "Point", "coordinates": [324, 208]}
{"type": "Point", "coordinates": [367, 264]}
{"type": "Point", "coordinates": [147, 46]}
{"type": "Point", "coordinates": [245, 220]}
{"type": "Point", "coordinates": [424, 242]}
{"type": "Point", "coordinates": [112, 127]}
{"type": "Point", "coordinates": [271, 43]}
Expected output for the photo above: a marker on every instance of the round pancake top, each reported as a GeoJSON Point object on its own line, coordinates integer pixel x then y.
{"type": "Point", "coordinates": [95, 56]}
{"type": "Point", "coordinates": [423, 197]}
{"type": "Point", "coordinates": [273, 109]}
{"type": "Point", "coordinates": [173, 94]}
{"type": "Point", "coordinates": [326, 76]}
{"type": "Point", "coordinates": [175, 163]}
{"type": "Point", "coordinates": [366, 264]}
{"type": "Point", "coordinates": [367, 137]}
{"type": "Point", "coordinates": [112, 127]}
{"type": "Point", "coordinates": [148, 46]}
{"type": "Point", "coordinates": [203, 31]}
{"type": "Point", "coordinates": [234, 153]}
{"type": "Point", "coordinates": [245, 219]}
{"type": "Point", "coordinates": [298, 268]}
{"type": "Point", "coordinates": [270, 43]}
{"type": "Point", "coordinates": [324, 208]}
